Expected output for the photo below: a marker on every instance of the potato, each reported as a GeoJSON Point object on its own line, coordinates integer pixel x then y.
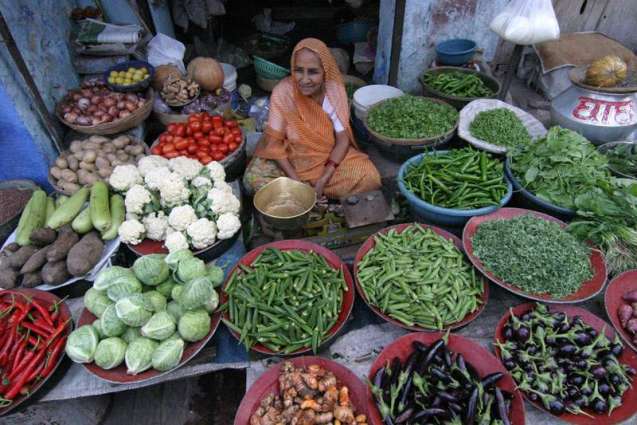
{"type": "Point", "coordinates": [90, 146]}
{"type": "Point", "coordinates": [121, 141]}
{"type": "Point", "coordinates": [79, 155]}
{"type": "Point", "coordinates": [21, 256]}
{"type": "Point", "coordinates": [74, 164]}
{"type": "Point", "coordinates": [36, 261]}
{"type": "Point", "coordinates": [84, 254]}
{"type": "Point", "coordinates": [122, 156]}
{"type": "Point", "coordinates": [101, 162]}
{"type": "Point", "coordinates": [69, 176]}
{"type": "Point", "coordinates": [76, 146]}
{"type": "Point", "coordinates": [61, 162]}
{"type": "Point", "coordinates": [55, 273]}
{"type": "Point", "coordinates": [5, 260]}
{"type": "Point", "coordinates": [56, 172]}
{"type": "Point", "coordinates": [31, 280]}
{"type": "Point", "coordinates": [117, 162]}
{"type": "Point", "coordinates": [91, 178]}
{"type": "Point", "coordinates": [8, 278]}
{"type": "Point", "coordinates": [12, 247]}
{"type": "Point", "coordinates": [87, 166]}
{"type": "Point", "coordinates": [111, 157]}
{"type": "Point", "coordinates": [108, 148]}
{"type": "Point", "coordinates": [43, 236]}
{"type": "Point", "coordinates": [68, 186]}
{"type": "Point", "coordinates": [105, 172]}
{"type": "Point", "coordinates": [98, 139]}
{"type": "Point", "coordinates": [134, 149]}
{"type": "Point", "coordinates": [89, 156]}
{"type": "Point", "coordinates": [61, 247]}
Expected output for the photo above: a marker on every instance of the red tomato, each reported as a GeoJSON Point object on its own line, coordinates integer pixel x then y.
{"type": "Point", "coordinates": [191, 156]}
{"type": "Point", "coordinates": [188, 131]}
{"type": "Point", "coordinates": [170, 155]}
{"type": "Point", "coordinates": [231, 123]}
{"type": "Point", "coordinates": [201, 153]}
{"type": "Point", "coordinates": [180, 130]}
{"type": "Point", "coordinates": [218, 119]}
{"type": "Point", "coordinates": [204, 142]}
{"type": "Point", "coordinates": [238, 139]}
{"type": "Point", "coordinates": [206, 126]}
{"type": "Point", "coordinates": [193, 118]}
{"type": "Point", "coordinates": [166, 137]}
{"type": "Point", "coordinates": [156, 150]}
{"type": "Point", "coordinates": [198, 135]}
{"type": "Point", "coordinates": [194, 126]}
{"type": "Point", "coordinates": [192, 148]}
{"type": "Point", "coordinates": [168, 147]}
{"type": "Point", "coordinates": [205, 160]}
{"type": "Point", "coordinates": [205, 115]}
{"type": "Point", "coordinates": [232, 147]}
{"type": "Point", "coordinates": [236, 131]}
{"type": "Point", "coordinates": [214, 139]}
{"type": "Point", "coordinates": [223, 148]}
{"type": "Point", "coordinates": [214, 148]}
{"type": "Point", "coordinates": [218, 156]}
{"type": "Point", "coordinates": [182, 152]}
{"type": "Point", "coordinates": [172, 128]}
{"type": "Point", "coordinates": [181, 144]}
{"type": "Point", "coordinates": [228, 138]}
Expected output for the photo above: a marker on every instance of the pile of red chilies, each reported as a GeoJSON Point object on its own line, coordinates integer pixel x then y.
{"type": "Point", "coordinates": [32, 339]}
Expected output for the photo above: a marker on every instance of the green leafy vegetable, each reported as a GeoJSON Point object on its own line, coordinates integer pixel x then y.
{"type": "Point", "coordinates": [622, 158]}
{"type": "Point", "coordinates": [500, 127]}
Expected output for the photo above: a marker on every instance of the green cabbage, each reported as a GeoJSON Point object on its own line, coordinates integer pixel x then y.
{"type": "Point", "coordinates": [155, 300]}
{"type": "Point", "coordinates": [151, 269]}
{"type": "Point", "coordinates": [82, 343]}
{"type": "Point", "coordinates": [111, 325]}
{"type": "Point", "coordinates": [175, 310]}
{"type": "Point", "coordinates": [215, 274]}
{"type": "Point", "coordinates": [131, 335]}
{"type": "Point", "coordinates": [175, 294]}
{"type": "Point", "coordinates": [96, 301]}
{"type": "Point", "coordinates": [110, 276]}
{"type": "Point", "coordinates": [195, 293]}
{"type": "Point", "coordinates": [168, 354]}
{"type": "Point", "coordinates": [133, 310]}
{"type": "Point", "coordinates": [139, 355]}
{"type": "Point", "coordinates": [173, 259]}
{"type": "Point", "coordinates": [159, 327]}
{"type": "Point", "coordinates": [123, 287]}
{"type": "Point", "coordinates": [110, 353]}
{"type": "Point", "coordinates": [98, 328]}
{"type": "Point", "coordinates": [212, 303]}
{"type": "Point", "coordinates": [194, 325]}
{"type": "Point", "coordinates": [166, 287]}
{"type": "Point", "coordinates": [190, 269]}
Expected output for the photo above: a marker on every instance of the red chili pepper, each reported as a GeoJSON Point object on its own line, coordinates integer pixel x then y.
{"type": "Point", "coordinates": [36, 372]}
{"type": "Point", "coordinates": [43, 326]}
{"type": "Point", "coordinates": [19, 354]}
{"type": "Point", "coordinates": [35, 342]}
{"type": "Point", "coordinates": [19, 317]}
{"type": "Point", "coordinates": [22, 379]}
{"type": "Point", "coordinates": [43, 311]}
{"type": "Point", "coordinates": [4, 353]}
{"type": "Point", "coordinates": [15, 371]}
{"type": "Point", "coordinates": [12, 352]}
{"type": "Point", "coordinates": [60, 328]}
{"type": "Point", "coordinates": [53, 357]}
{"type": "Point", "coordinates": [36, 329]}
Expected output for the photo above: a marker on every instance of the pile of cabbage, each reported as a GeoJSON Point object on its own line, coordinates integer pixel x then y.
{"type": "Point", "coordinates": [148, 313]}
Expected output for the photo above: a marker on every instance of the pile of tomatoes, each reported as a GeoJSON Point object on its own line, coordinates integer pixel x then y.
{"type": "Point", "coordinates": [204, 137]}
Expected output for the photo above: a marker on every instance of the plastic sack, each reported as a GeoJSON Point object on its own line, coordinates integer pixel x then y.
{"type": "Point", "coordinates": [164, 50]}
{"type": "Point", "coordinates": [527, 22]}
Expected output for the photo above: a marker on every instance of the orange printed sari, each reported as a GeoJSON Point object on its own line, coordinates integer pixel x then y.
{"type": "Point", "coordinates": [300, 130]}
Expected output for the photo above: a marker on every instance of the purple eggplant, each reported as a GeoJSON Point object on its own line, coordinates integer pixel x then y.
{"type": "Point", "coordinates": [502, 410]}
{"type": "Point", "coordinates": [432, 412]}
{"type": "Point", "coordinates": [630, 297]}
{"type": "Point", "coordinates": [490, 380]}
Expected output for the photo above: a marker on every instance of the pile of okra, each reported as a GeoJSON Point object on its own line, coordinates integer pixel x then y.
{"type": "Point", "coordinates": [285, 300]}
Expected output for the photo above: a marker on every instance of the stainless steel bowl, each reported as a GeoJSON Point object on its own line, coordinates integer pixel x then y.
{"type": "Point", "coordinates": [285, 204]}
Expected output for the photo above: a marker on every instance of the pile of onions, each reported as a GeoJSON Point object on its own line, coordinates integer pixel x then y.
{"type": "Point", "coordinates": [94, 103]}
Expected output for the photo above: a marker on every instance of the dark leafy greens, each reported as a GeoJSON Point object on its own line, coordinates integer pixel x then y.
{"type": "Point", "coordinates": [623, 159]}
{"type": "Point", "coordinates": [535, 255]}
{"type": "Point", "coordinates": [560, 167]}
{"type": "Point", "coordinates": [500, 127]}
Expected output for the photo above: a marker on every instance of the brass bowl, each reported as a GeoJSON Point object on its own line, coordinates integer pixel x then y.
{"type": "Point", "coordinates": [285, 204]}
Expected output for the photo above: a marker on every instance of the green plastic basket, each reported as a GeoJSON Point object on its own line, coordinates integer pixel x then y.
{"type": "Point", "coordinates": [269, 70]}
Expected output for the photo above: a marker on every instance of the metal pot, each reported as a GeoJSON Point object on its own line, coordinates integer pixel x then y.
{"type": "Point", "coordinates": [285, 204]}
{"type": "Point", "coordinates": [600, 116]}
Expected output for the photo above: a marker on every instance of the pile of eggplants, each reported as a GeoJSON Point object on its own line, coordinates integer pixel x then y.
{"type": "Point", "coordinates": [436, 386]}
{"type": "Point", "coordinates": [563, 363]}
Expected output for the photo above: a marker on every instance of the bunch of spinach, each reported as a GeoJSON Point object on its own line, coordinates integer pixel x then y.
{"type": "Point", "coordinates": [560, 167]}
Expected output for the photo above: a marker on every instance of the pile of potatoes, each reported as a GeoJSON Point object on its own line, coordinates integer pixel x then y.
{"type": "Point", "coordinates": [93, 159]}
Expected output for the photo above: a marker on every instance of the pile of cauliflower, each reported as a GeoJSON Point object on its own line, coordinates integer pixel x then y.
{"type": "Point", "coordinates": [178, 201]}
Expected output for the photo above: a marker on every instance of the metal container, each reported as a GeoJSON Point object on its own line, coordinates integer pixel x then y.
{"type": "Point", "coordinates": [600, 116]}
{"type": "Point", "coordinates": [285, 204]}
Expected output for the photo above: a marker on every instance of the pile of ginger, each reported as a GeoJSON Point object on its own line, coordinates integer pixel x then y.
{"type": "Point", "coordinates": [307, 396]}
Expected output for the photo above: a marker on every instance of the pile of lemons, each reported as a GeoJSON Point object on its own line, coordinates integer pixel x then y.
{"type": "Point", "coordinates": [128, 77]}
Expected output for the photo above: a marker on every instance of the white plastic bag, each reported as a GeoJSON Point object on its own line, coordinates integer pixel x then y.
{"type": "Point", "coordinates": [527, 22]}
{"type": "Point", "coordinates": [164, 50]}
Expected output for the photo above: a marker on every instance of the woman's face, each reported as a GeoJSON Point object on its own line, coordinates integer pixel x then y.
{"type": "Point", "coordinates": [308, 72]}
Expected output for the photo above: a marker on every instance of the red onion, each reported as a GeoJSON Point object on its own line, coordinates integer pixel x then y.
{"type": "Point", "coordinates": [107, 118]}
{"type": "Point", "coordinates": [70, 117]}
{"type": "Point", "coordinates": [83, 120]}
{"type": "Point", "coordinates": [131, 106]}
{"type": "Point", "coordinates": [91, 109]}
{"type": "Point", "coordinates": [109, 101]}
{"type": "Point", "coordinates": [141, 103]}
{"type": "Point", "coordinates": [86, 92]}
{"type": "Point", "coordinates": [76, 110]}
{"type": "Point", "coordinates": [131, 97]}
{"type": "Point", "coordinates": [113, 111]}
{"type": "Point", "coordinates": [102, 107]}
{"type": "Point", "coordinates": [76, 96]}
{"type": "Point", "coordinates": [124, 114]}
{"type": "Point", "coordinates": [83, 103]}
{"type": "Point", "coordinates": [99, 113]}
{"type": "Point", "coordinates": [121, 105]}
{"type": "Point", "coordinates": [96, 100]}
{"type": "Point", "coordinates": [66, 109]}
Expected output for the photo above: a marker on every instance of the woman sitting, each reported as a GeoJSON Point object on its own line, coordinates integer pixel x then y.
{"type": "Point", "coordinates": [308, 135]}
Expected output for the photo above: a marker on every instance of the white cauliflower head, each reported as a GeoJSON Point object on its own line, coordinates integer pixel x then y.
{"type": "Point", "coordinates": [173, 190]}
{"type": "Point", "coordinates": [151, 162]}
{"type": "Point", "coordinates": [187, 167]}
{"type": "Point", "coordinates": [131, 232]}
{"type": "Point", "coordinates": [223, 202]}
{"type": "Point", "coordinates": [202, 233]}
{"type": "Point", "coordinates": [216, 171]}
{"type": "Point", "coordinates": [124, 177]}
{"type": "Point", "coordinates": [154, 177]}
{"type": "Point", "coordinates": [176, 241]}
{"type": "Point", "coordinates": [223, 186]}
{"type": "Point", "coordinates": [227, 225]}
{"type": "Point", "coordinates": [201, 182]}
{"type": "Point", "coordinates": [156, 225]}
{"type": "Point", "coordinates": [136, 199]}
{"type": "Point", "coordinates": [180, 217]}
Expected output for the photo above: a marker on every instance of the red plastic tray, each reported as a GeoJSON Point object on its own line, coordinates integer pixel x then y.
{"type": "Point", "coordinates": [629, 401]}
{"type": "Point", "coordinates": [289, 245]}
{"type": "Point", "coordinates": [118, 375]}
{"type": "Point", "coordinates": [588, 289]}
{"type": "Point", "coordinates": [268, 383]}
{"type": "Point", "coordinates": [369, 244]}
{"type": "Point", "coordinates": [617, 287]}
{"type": "Point", "coordinates": [479, 357]}
{"type": "Point", "coordinates": [47, 299]}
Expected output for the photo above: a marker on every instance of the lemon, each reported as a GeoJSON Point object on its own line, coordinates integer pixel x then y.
{"type": "Point", "coordinates": [131, 69]}
{"type": "Point", "coordinates": [111, 80]}
{"type": "Point", "coordinates": [122, 74]}
{"type": "Point", "coordinates": [113, 74]}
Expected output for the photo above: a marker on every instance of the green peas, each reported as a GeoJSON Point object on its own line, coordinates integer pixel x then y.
{"type": "Point", "coordinates": [438, 288]}
{"type": "Point", "coordinates": [500, 127]}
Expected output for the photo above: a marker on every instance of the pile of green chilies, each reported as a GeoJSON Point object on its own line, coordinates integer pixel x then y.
{"type": "Point", "coordinates": [500, 127]}
{"type": "Point", "coordinates": [459, 84]}
{"type": "Point", "coordinates": [419, 278]}
{"type": "Point", "coordinates": [286, 300]}
{"type": "Point", "coordinates": [458, 179]}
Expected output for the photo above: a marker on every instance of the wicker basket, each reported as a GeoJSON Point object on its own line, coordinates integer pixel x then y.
{"type": "Point", "coordinates": [58, 189]}
{"type": "Point", "coordinates": [269, 70]}
{"type": "Point", "coordinates": [423, 142]}
{"type": "Point", "coordinates": [117, 126]}
{"type": "Point", "coordinates": [467, 115]}
{"type": "Point", "coordinates": [458, 102]}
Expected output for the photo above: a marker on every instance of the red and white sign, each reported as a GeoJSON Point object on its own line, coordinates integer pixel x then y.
{"type": "Point", "coordinates": [604, 112]}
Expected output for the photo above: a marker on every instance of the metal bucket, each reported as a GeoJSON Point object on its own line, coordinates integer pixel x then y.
{"type": "Point", "coordinates": [285, 204]}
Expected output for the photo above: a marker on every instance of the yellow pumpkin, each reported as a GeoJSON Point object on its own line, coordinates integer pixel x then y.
{"type": "Point", "coordinates": [608, 71]}
{"type": "Point", "coordinates": [206, 72]}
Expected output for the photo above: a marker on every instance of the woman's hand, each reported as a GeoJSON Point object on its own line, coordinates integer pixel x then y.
{"type": "Point", "coordinates": [320, 185]}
